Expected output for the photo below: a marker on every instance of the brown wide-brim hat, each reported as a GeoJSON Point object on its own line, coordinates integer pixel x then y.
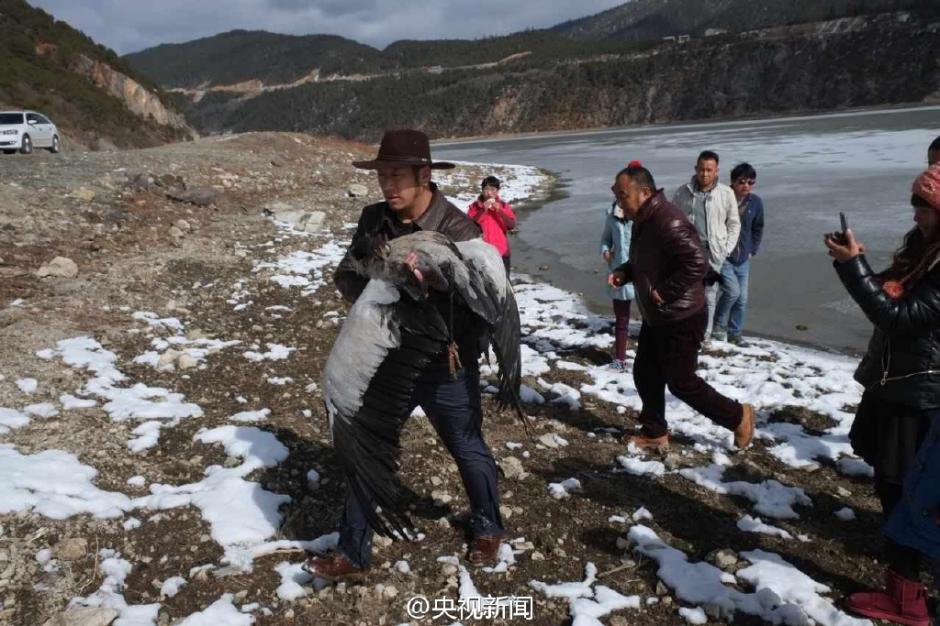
{"type": "Point", "coordinates": [403, 148]}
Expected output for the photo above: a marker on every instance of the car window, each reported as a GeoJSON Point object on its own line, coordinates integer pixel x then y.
{"type": "Point", "coordinates": [11, 118]}
{"type": "Point", "coordinates": [32, 117]}
{"type": "Point", "coordinates": [43, 119]}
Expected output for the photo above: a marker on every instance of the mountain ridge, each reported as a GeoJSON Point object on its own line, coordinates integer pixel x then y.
{"type": "Point", "coordinates": [94, 96]}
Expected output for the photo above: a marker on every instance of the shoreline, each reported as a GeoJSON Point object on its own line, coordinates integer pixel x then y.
{"type": "Point", "coordinates": [730, 121]}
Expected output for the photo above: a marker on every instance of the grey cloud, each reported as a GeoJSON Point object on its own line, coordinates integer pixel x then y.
{"type": "Point", "coordinates": [128, 26]}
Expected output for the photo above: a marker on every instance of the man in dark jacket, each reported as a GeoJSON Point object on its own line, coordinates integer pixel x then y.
{"type": "Point", "coordinates": [451, 402]}
{"type": "Point", "coordinates": [667, 267]}
{"type": "Point", "coordinates": [732, 292]}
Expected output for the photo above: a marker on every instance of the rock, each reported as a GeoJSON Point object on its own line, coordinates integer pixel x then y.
{"type": "Point", "coordinates": [561, 554]}
{"type": "Point", "coordinates": [60, 266]}
{"type": "Point", "coordinates": [672, 461]}
{"type": "Point", "coordinates": [512, 468]}
{"type": "Point", "coordinates": [357, 190]}
{"type": "Point", "coordinates": [71, 549]}
{"type": "Point", "coordinates": [725, 559]}
{"type": "Point", "coordinates": [103, 144]}
{"type": "Point", "coordinates": [441, 498]}
{"type": "Point", "coordinates": [170, 181]}
{"type": "Point", "coordinates": [661, 589]}
{"type": "Point", "coordinates": [842, 491]}
{"type": "Point", "coordinates": [505, 511]}
{"type": "Point", "coordinates": [183, 225]}
{"type": "Point", "coordinates": [83, 616]}
{"type": "Point", "coordinates": [537, 556]}
{"type": "Point", "coordinates": [186, 362]}
{"type": "Point", "coordinates": [168, 359]}
{"type": "Point", "coordinates": [390, 592]}
{"type": "Point", "coordinates": [619, 620]}
{"type": "Point", "coordinates": [200, 196]}
{"type": "Point", "coordinates": [140, 181]}
{"type": "Point", "coordinates": [548, 440]}
{"type": "Point", "coordinates": [176, 233]}
{"type": "Point", "coordinates": [449, 569]}
{"type": "Point", "coordinates": [436, 481]}
{"type": "Point", "coordinates": [84, 194]}
{"type": "Point", "coordinates": [310, 222]}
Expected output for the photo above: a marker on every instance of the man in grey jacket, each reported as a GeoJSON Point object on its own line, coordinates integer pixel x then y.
{"type": "Point", "coordinates": [713, 209]}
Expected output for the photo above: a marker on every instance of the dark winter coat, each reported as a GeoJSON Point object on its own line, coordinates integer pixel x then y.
{"type": "Point", "coordinates": [902, 364]}
{"type": "Point", "coordinates": [752, 230]}
{"type": "Point", "coordinates": [443, 217]}
{"type": "Point", "coordinates": [666, 255]}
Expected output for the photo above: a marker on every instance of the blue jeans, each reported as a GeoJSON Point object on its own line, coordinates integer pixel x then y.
{"type": "Point", "coordinates": [454, 408]}
{"type": "Point", "coordinates": [732, 300]}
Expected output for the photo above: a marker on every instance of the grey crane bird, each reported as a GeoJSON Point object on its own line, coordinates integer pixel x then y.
{"type": "Point", "coordinates": [392, 333]}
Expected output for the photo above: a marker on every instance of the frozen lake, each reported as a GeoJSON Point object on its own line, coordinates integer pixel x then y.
{"type": "Point", "coordinates": [808, 170]}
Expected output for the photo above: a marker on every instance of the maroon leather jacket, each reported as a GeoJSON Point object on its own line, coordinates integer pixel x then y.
{"type": "Point", "coordinates": [666, 254]}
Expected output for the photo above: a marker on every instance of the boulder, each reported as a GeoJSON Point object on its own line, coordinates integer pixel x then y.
{"type": "Point", "coordinates": [200, 196]}
{"type": "Point", "coordinates": [512, 468]}
{"type": "Point", "coordinates": [60, 266]}
{"type": "Point", "coordinates": [84, 194]}
{"type": "Point", "coordinates": [72, 549]}
{"type": "Point", "coordinates": [83, 616]}
{"type": "Point", "coordinates": [357, 190]}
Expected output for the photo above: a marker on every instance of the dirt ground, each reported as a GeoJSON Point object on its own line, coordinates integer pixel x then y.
{"type": "Point", "coordinates": [110, 214]}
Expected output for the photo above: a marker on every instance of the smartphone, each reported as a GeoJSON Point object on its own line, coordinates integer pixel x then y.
{"type": "Point", "coordinates": [840, 236]}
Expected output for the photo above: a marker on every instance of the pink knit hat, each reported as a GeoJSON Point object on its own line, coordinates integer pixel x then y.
{"type": "Point", "coordinates": [927, 186]}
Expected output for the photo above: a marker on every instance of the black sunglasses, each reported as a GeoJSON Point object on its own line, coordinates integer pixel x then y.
{"type": "Point", "coordinates": [746, 181]}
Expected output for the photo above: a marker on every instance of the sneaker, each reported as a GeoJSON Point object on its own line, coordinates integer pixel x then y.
{"type": "Point", "coordinates": [720, 334]}
{"type": "Point", "coordinates": [617, 365]}
{"type": "Point", "coordinates": [737, 340]}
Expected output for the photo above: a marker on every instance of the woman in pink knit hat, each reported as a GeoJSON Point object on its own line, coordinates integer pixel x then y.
{"type": "Point", "coordinates": [901, 376]}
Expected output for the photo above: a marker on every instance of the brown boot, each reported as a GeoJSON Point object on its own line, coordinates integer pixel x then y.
{"type": "Point", "coordinates": [485, 549]}
{"type": "Point", "coordinates": [654, 444]}
{"type": "Point", "coordinates": [335, 567]}
{"type": "Point", "coordinates": [744, 433]}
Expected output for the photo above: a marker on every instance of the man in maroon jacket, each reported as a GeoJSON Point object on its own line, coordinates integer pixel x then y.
{"type": "Point", "coordinates": [667, 267]}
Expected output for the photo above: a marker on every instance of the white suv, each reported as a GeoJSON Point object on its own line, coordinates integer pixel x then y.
{"type": "Point", "coordinates": [24, 130]}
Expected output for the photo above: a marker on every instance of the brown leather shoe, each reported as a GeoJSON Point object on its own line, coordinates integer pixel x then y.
{"type": "Point", "coordinates": [484, 549]}
{"type": "Point", "coordinates": [335, 567]}
{"type": "Point", "coordinates": [744, 433]}
{"type": "Point", "coordinates": [654, 444]}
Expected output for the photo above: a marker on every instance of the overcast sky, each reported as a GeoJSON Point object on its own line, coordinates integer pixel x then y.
{"type": "Point", "coordinates": [132, 25]}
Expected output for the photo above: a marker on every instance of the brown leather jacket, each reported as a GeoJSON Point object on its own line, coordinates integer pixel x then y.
{"type": "Point", "coordinates": [441, 216]}
{"type": "Point", "coordinates": [666, 255]}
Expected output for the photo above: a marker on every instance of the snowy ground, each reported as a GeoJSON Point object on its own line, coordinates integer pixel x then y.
{"type": "Point", "coordinates": [770, 510]}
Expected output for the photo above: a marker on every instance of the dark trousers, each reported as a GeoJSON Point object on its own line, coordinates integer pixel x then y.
{"type": "Point", "coordinates": [667, 356]}
{"type": "Point", "coordinates": [454, 408]}
{"type": "Point", "coordinates": [902, 560]}
{"type": "Point", "coordinates": [506, 265]}
{"type": "Point", "coordinates": [621, 328]}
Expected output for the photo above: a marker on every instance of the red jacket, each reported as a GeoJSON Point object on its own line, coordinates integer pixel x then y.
{"type": "Point", "coordinates": [495, 224]}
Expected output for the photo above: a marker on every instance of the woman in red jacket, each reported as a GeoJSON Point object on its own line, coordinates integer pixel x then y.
{"type": "Point", "coordinates": [494, 216]}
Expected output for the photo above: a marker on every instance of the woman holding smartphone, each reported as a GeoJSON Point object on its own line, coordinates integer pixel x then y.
{"type": "Point", "coordinates": [901, 376]}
